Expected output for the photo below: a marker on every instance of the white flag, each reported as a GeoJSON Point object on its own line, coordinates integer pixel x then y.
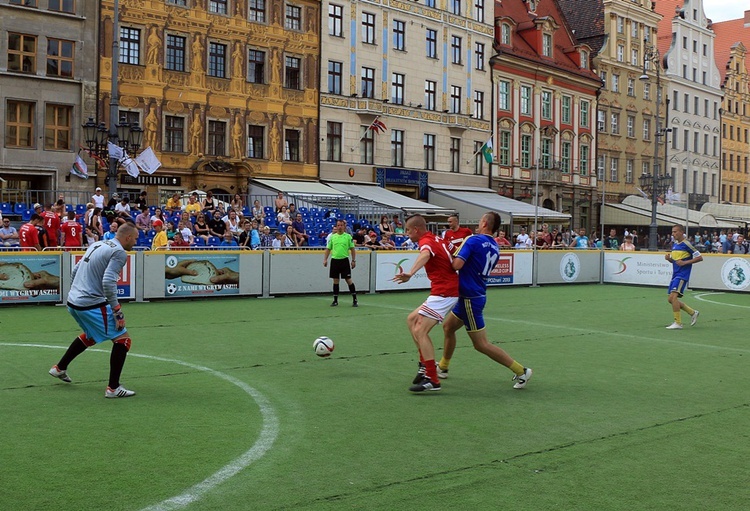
{"type": "Point", "coordinates": [79, 168]}
{"type": "Point", "coordinates": [131, 166]}
{"type": "Point", "coordinates": [147, 161]}
{"type": "Point", "coordinates": [115, 151]}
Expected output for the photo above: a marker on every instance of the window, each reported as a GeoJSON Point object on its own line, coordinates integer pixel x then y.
{"type": "Point", "coordinates": [503, 156]}
{"type": "Point", "coordinates": [25, 3]}
{"type": "Point", "coordinates": [335, 20]}
{"type": "Point", "coordinates": [431, 39]}
{"type": "Point", "coordinates": [705, 111]}
{"type": "Point", "coordinates": [174, 134]}
{"type": "Point", "coordinates": [430, 3]}
{"type": "Point", "coordinates": [429, 94]}
{"type": "Point", "coordinates": [455, 99]}
{"type": "Point", "coordinates": [585, 121]}
{"type": "Point", "coordinates": [429, 151]}
{"type": "Point", "coordinates": [583, 161]}
{"type": "Point", "coordinates": [397, 89]}
{"type": "Point", "coordinates": [399, 35]}
{"type": "Point", "coordinates": [503, 95]}
{"type": "Point", "coordinates": [334, 77]}
{"type": "Point", "coordinates": [368, 82]}
{"type": "Point", "coordinates": [696, 139]}
{"type": "Point", "coordinates": [646, 129]}
{"type": "Point", "coordinates": [217, 6]}
{"type": "Point", "coordinates": [614, 174]}
{"type": "Point", "coordinates": [293, 17]}
{"type": "Point", "coordinates": [217, 60]}
{"type": "Point", "coordinates": [368, 28]}
{"type": "Point", "coordinates": [631, 126]}
{"type": "Point", "coordinates": [397, 148]}
{"type": "Point", "coordinates": [634, 57]}
{"type": "Point", "coordinates": [292, 145]}
{"type": "Point", "coordinates": [479, 10]}
{"type": "Point", "coordinates": [22, 53]}
{"type": "Point", "coordinates": [505, 34]}
{"type": "Point", "coordinates": [547, 45]}
{"type": "Point", "coordinates": [68, 6]}
{"type": "Point", "coordinates": [367, 146]}
{"type": "Point", "coordinates": [334, 141]}
{"type": "Point", "coordinates": [525, 151]}
{"type": "Point", "coordinates": [601, 162]}
{"type": "Point", "coordinates": [614, 122]}
{"type": "Point", "coordinates": [455, 154]}
{"type": "Point", "coordinates": [620, 53]}
{"type": "Point", "coordinates": [60, 58]}
{"type": "Point", "coordinates": [546, 105]}
{"type": "Point", "coordinates": [256, 66]}
{"type": "Point", "coordinates": [684, 42]}
{"type": "Point", "coordinates": [546, 151]}
{"type": "Point", "coordinates": [478, 158]}
{"type": "Point", "coordinates": [525, 100]}
{"type": "Point", "coordinates": [479, 56]}
{"type": "Point", "coordinates": [565, 152]}
{"type": "Point", "coordinates": [455, 6]}
{"type": "Point", "coordinates": [615, 83]}
{"type": "Point", "coordinates": [695, 105]}
{"type": "Point", "coordinates": [629, 171]}
{"type": "Point", "coordinates": [291, 72]}
{"type": "Point", "coordinates": [57, 121]}
{"type": "Point", "coordinates": [129, 117]}
{"type": "Point", "coordinates": [255, 142]}
{"type": "Point", "coordinates": [217, 136]}
{"type": "Point", "coordinates": [634, 29]}
{"type": "Point", "coordinates": [603, 76]}
{"type": "Point", "coordinates": [620, 25]}
{"type": "Point", "coordinates": [705, 145]}
{"type": "Point", "coordinates": [175, 57]}
{"type": "Point", "coordinates": [584, 59]}
{"type": "Point", "coordinates": [478, 105]}
{"type": "Point", "coordinates": [455, 49]}
{"type": "Point", "coordinates": [565, 110]}
{"type": "Point", "coordinates": [256, 11]}
{"type": "Point", "coordinates": [130, 45]}
{"type": "Point", "coordinates": [647, 91]}
{"type": "Point", "coordinates": [631, 87]}
{"type": "Point", "coordinates": [601, 122]}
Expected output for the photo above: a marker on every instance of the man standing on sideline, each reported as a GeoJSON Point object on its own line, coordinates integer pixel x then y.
{"type": "Point", "coordinates": [456, 234]}
{"type": "Point", "coordinates": [683, 256]}
{"type": "Point", "coordinates": [51, 225]}
{"type": "Point", "coordinates": [581, 242]}
{"type": "Point", "coordinates": [613, 242]}
{"type": "Point", "coordinates": [29, 234]}
{"type": "Point", "coordinates": [474, 261]}
{"type": "Point", "coordinates": [339, 246]}
{"type": "Point", "coordinates": [72, 232]}
{"type": "Point", "coordinates": [436, 259]}
{"type": "Point", "coordinates": [92, 301]}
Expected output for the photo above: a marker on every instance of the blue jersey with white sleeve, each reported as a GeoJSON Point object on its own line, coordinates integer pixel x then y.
{"type": "Point", "coordinates": [480, 254]}
{"type": "Point", "coordinates": [682, 251]}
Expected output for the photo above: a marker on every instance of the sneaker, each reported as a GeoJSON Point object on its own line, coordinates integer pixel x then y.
{"type": "Point", "coordinates": [420, 374]}
{"type": "Point", "coordinates": [694, 318]}
{"type": "Point", "coordinates": [442, 373]}
{"type": "Point", "coordinates": [355, 303]}
{"type": "Point", "coordinates": [118, 392]}
{"type": "Point", "coordinates": [522, 379]}
{"type": "Point", "coordinates": [425, 384]}
{"type": "Point", "coordinates": [675, 326]}
{"type": "Point", "coordinates": [335, 303]}
{"type": "Point", "coordinates": [57, 373]}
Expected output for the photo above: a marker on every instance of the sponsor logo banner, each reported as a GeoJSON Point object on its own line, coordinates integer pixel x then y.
{"type": "Point", "coordinates": [125, 287]}
{"type": "Point", "coordinates": [201, 275]}
{"type": "Point", "coordinates": [30, 279]}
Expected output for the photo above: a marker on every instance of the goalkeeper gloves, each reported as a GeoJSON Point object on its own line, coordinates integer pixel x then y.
{"type": "Point", "coordinates": [119, 317]}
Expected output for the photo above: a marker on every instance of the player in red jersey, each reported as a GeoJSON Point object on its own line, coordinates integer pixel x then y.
{"type": "Point", "coordinates": [436, 259]}
{"type": "Point", "coordinates": [51, 225]}
{"type": "Point", "coordinates": [28, 233]}
{"type": "Point", "coordinates": [456, 234]}
{"type": "Point", "coordinates": [72, 235]}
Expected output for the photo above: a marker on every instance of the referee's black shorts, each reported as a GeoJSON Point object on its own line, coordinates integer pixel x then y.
{"type": "Point", "coordinates": [340, 269]}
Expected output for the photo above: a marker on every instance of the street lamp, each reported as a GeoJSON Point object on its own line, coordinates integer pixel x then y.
{"type": "Point", "coordinates": [657, 180]}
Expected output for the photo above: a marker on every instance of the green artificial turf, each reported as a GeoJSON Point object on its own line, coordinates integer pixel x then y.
{"type": "Point", "coordinates": [621, 414]}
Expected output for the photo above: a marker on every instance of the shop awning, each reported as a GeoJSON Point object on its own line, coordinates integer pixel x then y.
{"type": "Point", "coordinates": [296, 187]}
{"type": "Point", "coordinates": [677, 214]}
{"type": "Point", "coordinates": [472, 203]}
{"type": "Point", "coordinates": [390, 198]}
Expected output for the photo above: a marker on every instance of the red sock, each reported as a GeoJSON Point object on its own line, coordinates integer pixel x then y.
{"type": "Point", "coordinates": [430, 370]}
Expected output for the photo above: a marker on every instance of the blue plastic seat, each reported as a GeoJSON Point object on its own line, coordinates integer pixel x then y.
{"type": "Point", "coordinates": [268, 210]}
{"type": "Point", "coordinates": [26, 215]}
{"type": "Point", "coordinates": [6, 208]}
{"type": "Point", "coordinates": [214, 241]}
{"type": "Point", "coordinates": [80, 209]}
{"type": "Point", "coordinates": [303, 210]}
{"type": "Point", "coordinates": [19, 207]}
{"type": "Point", "coordinates": [69, 208]}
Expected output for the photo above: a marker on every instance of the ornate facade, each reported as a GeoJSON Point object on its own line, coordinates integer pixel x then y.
{"type": "Point", "coordinates": [224, 90]}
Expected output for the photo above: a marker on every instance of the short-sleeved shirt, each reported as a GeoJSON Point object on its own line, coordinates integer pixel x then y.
{"type": "Point", "coordinates": [28, 235]}
{"type": "Point", "coordinates": [52, 226]}
{"type": "Point", "coordinates": [480, 253]}
{"type": "Point", "coordinates": [340, 245]}
{"type": "Point", "coordinates": [457, 237]}
{"type": "Point", "coordinates": [72, 231]}
{"type": "Point", "coordinates": [682, 251]}
{"type": "Point", "coordinates": [582, 242]}
{"type": "Point", "coordinates": [443, 278]}
{"type": "Point", "coordinates": [160, 240]}
{"type": "Point", "coordinates": [95, 276]}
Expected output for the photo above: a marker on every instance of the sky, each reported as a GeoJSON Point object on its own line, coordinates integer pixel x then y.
{"type": "Point", "coordinates": [723, 10]}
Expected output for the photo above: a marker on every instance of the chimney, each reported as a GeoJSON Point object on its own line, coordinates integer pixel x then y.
{"type": "Point", "coordinates": [747, 19]}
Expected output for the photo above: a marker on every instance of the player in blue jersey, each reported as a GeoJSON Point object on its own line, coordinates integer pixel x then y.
{"type": "Point", "coordinates": [474, 261]}
{"type": "Point", "coordinates": [683, 256]}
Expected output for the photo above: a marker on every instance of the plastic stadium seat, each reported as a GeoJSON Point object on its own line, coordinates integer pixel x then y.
{"type": "Point", "coordinates": [6, 209]}
{"type": "Point", "coordinates": [69, 208]}
{"type": "Point", "coordinates": [303, 210]}
{"type": "Point", "coordinates": [151, 233]}
{"type": "Point", "coordinates": [152, 210]}
{"type": "Point", "coordinates": [268, 210]}
{"type": "Point", "coordinates": [199, 242]}
{"type": "Point", "coordinates": [26, 215]}
{"type": "Point", "coordinates": [214, 241]}
{"type": "Point", "coordinates": [245, 211]}
{"type": "Point", "coordinates": [19, 207]}
{"type": "Point", "coordinates": [80, 209]}
{"type": "Point", "coordinates": [314, 211]}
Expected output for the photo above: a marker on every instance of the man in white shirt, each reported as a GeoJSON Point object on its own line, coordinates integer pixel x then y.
{"type": "Point", "coordinates": [98, 198]}
{"type": "Point", "coordinates": [123, 207]}
{"type": "Point", "coordinates": [523, 240]}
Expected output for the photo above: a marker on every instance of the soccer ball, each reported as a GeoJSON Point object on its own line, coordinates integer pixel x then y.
{"type": "Point", "coordinates": [323, 346]}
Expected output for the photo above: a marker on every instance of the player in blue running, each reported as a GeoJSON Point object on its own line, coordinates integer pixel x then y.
{"type": "Point", "coordinates": [474, 261]}
{"type": "Point", "coordinates": [683, 256]}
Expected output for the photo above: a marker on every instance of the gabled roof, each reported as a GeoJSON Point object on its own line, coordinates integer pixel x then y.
{"type": "Point", "coordinates": [586, 17]}
{"type": "Point", "coordinates": [668, 9]}
{"type": "Point", "coordinates": [728, 33]}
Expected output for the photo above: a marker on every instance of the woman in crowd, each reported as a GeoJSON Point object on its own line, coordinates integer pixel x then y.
{"type": "Point", "coordinates": [257, 212]}
{"type": "Point", "coordinates": [201, 228]}
{"type": "Point", "coordinates": [238, 204]}
{"type": "Point", "coordinates": [233, 224]}
{"type": "Point", "coordinates": [185, 218]}
{"type": "Point", "coordinates": [558, 241]}
{"type": "Point", "coordinates": [385, 225]}
{"type": "Point", "coordinates": [157, 216]}
{"type": "Point", "coordinates": [209, 205]}
{"type": "Point", "coordinates": [289, 240]}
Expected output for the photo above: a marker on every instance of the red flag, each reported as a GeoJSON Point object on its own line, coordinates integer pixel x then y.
{"type": "Point", "coordinates": [99, 160]}
{"type": "Point", "coordinates": [378, 126]}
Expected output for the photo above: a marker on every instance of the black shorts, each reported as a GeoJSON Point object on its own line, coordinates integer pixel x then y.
{"type": "Point", "coordinates": [340, 269]}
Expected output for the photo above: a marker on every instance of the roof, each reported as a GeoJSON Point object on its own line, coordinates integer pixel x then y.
{"type": "Point", "coordinates": [389, 198]}
{"type": "Point", "coordinates": [586, 17]}
{"type": "Point", "coordinates": [728, 33]}
{"type": "Point", "coordinates": [728, 212]}
{"type": "Point", "coordinates": [472, 203]}
{"type": "Point", "coordinates": [668, 9]}
{"type": "Point", "coordinates": [298, 187]}
{"type": "Point", "coordinates": [677, 214]}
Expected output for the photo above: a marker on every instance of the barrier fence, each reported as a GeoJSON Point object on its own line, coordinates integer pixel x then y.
{"type": "Point", "coordinates": [44, 277]}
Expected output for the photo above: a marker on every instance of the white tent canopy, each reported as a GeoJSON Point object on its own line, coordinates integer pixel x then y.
{"type": "Point", "coordinates": [295, 187]}
{"type": "Point", "coordinates": [391, 199]}
{"type": "Point", "coordinates": [471, 203]}
{"type": "Point", "coordinates": [677, 214]}
{"type": "Point", "coordinates": [734, 213]}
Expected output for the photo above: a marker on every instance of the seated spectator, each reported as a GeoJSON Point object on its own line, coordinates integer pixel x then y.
{"type": "Point", "coordinates": [171, 230]}
{"type": "Point", "coordinates": [187, 220]}
{"type": "Point", "coordinates": [289, 239]}
{"type": "Point", "coordinates": [408, 244]}
{"type": "Point", "coordinates": [143, 220]}
{"type": "Point", "coordinates": [141, 202]}
{"type": "Point", "coordinates": [178, 242]}
{"type": "Point", "coordinates": [371, 240]}
{"type": "Point", "coordinates": [716, 245]}
{"type": "Point", "coordinates": [502, 241]}
{"type": "Point", "coordinates": [385, 225]}
{"type": "Point", "coordinates": [237, 204]}
{"type": "Point", "coordinates": [186, 231]}
{"type": "Point", "coordinates": [216, 226]}
{"type": "Point", "coordinates": [160, 241]}
{"type": "Point", "coordinates": [233, 223]}
{"type": "Point", "coordinates": [359, 237]}
{"type": "Point", "coordinates": [283, 216]}
{"type": "Point", "coordinates": [740, 246]}
{"type": "Point", "coordinates": [245, 237]}
{"type": "Point", "coordinates": [209, 204]}
{"type": "Point", "coordinates": [266, 239]}
{"type": "Point", "coordinates": [9, 234]}
{"type": "Point", "coordinates": [558, 241]}
{"type": "Point", "coordinates": [193, 207]}
{"type": "Point", "coordinates": [257, 212]}
{"type": "Point", "coordinates": [398, 227]}
{"type": "Point", "coordinates": [300, 234]}
{"type": "Point", "coordinates": [228, 240]}
{"type": "Point", "coordinates": [174, 204]}
{"type": "Point", "coordinates": [123, 208]}
{"type": "Point", "coordinates": [627, 244]}
{"type": "Point", "coordinates": [278, 238]}
{"type": "Point", "coordinates": [541, 240]}
{"type": "Point", "coordinates": [112, 232]}
{"type": "Point", "coordinates": [386, 242]}
{"type": "Point", "coordinates": [200, 228]}
{"type": "Point", "coordinates": [157, 216]}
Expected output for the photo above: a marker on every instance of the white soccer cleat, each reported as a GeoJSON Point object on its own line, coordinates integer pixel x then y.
{"type": "Point", "coordinates": [675, 326]}
{"type": "Point", "coordinates": [58, 373]}
{"type": "Point", "coordinates": [522, 379]}
{"type": "Point", "coordinates": [442, 373]}
{"type": "Point", "coordinates": [118, 392]}
{"type": "Point", "coordinates": [694, 318]}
